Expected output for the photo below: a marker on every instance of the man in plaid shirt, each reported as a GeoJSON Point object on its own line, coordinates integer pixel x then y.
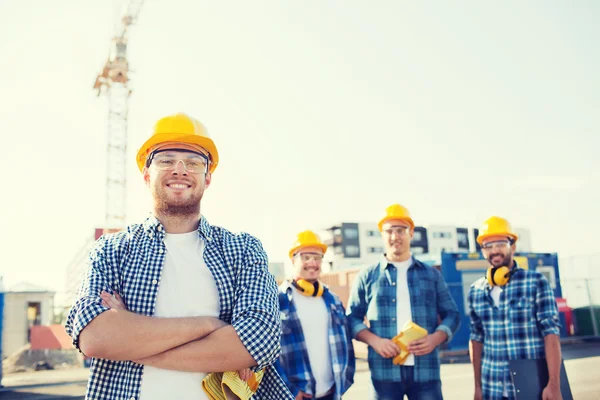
{"type": "Point", "coordinates": [391, 293]}
{"type": "Point", "coordinates": [513, 316]}
{"type": "Point", "coordinates": [198, 298]}
{"type": "Point", "coordinates": [317, 356]}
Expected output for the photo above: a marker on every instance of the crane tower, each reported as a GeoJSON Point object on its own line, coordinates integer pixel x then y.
{"type": "Point", "coordinates": [113, 82]}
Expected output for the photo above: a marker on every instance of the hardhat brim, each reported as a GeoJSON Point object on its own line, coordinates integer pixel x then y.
{"type": "Point", "coordinates": [317, 245]}
{"type": "Point", "coordinates": [480, 238]}
{"type": "Point", "coordinates": [406, 219]}
{"type": "Point", "coordinates": [157, 139]}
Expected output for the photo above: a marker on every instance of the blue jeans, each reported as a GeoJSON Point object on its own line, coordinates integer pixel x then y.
{"type": "Point", "coordinates": [414, 390]}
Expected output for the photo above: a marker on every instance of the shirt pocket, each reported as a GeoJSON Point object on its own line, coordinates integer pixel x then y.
{"type": "Point", "coordinates": [426, 293]}
{"type": "Point", "coordinates": [521, 311]}
{"type": "Point", "coordinates": [482, 309]}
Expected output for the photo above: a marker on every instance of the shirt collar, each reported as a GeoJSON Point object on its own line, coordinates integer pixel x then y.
{"type": "Point", "coordinates": [153, 226]}
{"type": "Point", "coordinates": [384, 263]}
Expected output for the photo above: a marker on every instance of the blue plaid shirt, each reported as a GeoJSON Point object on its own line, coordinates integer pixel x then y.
{"type": "Point", "coordinates": [515, 329]}
{"type": "Point", "coordinates": [293, 363]}
{"type": "Point", "coordinates": [374, 296]}
{"type": "Point", "coordinates": [130, 262]}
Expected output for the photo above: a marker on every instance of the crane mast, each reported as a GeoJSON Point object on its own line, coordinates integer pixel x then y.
{"type": "Point", "coordinates": [113, 82]}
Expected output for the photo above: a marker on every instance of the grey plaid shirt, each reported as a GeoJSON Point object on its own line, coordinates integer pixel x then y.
{"type": "Point", "coordinates": [130, 262]}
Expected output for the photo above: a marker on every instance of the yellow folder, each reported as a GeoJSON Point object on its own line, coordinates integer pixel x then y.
{"type": "Point", "coordinates": [229, 385]}
{"type": "Point", "coordinates": [409, 333]}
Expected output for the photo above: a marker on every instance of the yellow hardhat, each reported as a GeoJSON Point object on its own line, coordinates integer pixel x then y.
{"type": "Point", "coordinates": [307, 239]}
{"type": "Point", "coordinates": [496, 226]}
{"type": "Point", "coordinates": [396, 211]}
{"type": "Point", "coordinates": [179, 128]}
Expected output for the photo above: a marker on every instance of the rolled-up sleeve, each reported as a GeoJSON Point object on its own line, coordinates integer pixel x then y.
{"type": "Point", "coordinates": [476, 326]}
{"type": "Point", "coordinates": [256, 311]}
{"type": "Point", "coordinates": [88, 304]}
{"type": "Point", "coordinates": [357, 305]}
{"type": "Point", "coordinates": [547, 311]}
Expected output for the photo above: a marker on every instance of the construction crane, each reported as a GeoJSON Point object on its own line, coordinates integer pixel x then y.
{"type": "Point", "coordinates": [113, 82]}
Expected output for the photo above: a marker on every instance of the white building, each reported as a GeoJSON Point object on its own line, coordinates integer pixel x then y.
{"type": "Point", "coordinates": [353, 244]}
{"type": "Point", "coordinates": [25, 305]}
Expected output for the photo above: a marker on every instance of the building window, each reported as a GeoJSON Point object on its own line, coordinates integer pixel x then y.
{"type": "Point", "coordinates": [373, 233]}
{"type": "Point", "coordinates": [439, 235]}
{"type": "Point", "coordinates": [351, 250]}
{"type": "Point", "coordinates": [417, 250]}
{"type": "Point", "coordinates": [375, 249]}
{"type": "Point", "coordinates": [463, 240]}
{"type": "Point", "coordinates": [351, 233]}
{"type": "Point", "coordinates": [417, 237]}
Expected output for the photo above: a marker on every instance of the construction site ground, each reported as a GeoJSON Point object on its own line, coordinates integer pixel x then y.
{"type": "Point", "coordinates": [582, 362]}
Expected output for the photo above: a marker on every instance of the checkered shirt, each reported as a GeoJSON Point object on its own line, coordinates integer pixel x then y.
{"type": "Point", "coordinates": [293, 364]}
{"type": "Point", "coordinates": [374, 295]}
{"type": "Point", "coordinates": [130, 262]}
{"type": "Point", "coordinates": [514, 330]}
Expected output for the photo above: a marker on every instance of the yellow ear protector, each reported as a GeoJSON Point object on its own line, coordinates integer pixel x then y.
{"type": "Point", "coordinates": [307, 288]}
{"type": "Point", "coordinates": [499, 276]}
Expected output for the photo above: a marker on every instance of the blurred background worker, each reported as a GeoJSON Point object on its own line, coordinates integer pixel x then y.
{"type": "Point", "coordinates": [397, 290]}
{"type": "Point", "coordinates": [513, 316]}
{"type": "Point", "coordinates": [317, 356]}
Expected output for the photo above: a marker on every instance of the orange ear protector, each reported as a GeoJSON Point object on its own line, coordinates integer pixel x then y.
{"type": "Point", "coordinates": [307, 288]}
{"type": "Point", "coordinates": [499, 276]}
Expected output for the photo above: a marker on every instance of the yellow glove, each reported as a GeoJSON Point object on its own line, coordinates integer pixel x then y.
{"type": "Point", "coordinates": [229, 385]}
{"type": "Point", "coordinates": [409, 333]}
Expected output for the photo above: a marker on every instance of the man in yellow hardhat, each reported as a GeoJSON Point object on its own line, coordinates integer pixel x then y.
{"type": "Point", "coordinates": [317, 356]}
{"type": "Point", "coordinates": [199, 299]}
{"type": "Point", "coordinates": [513, 316]}
{"type": "Point", "coordinates": [400, 296]}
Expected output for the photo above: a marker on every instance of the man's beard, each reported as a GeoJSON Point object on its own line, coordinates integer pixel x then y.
{"type": "Point", "coordinates": [506, 261]}
{"type": "Point", "coordinates": [176, 208]}
{"type": "Point", "coordinates": [398, 251]}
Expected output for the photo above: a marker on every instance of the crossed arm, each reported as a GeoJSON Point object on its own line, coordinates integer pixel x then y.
{"type": "Point", "coordinates": [200, 344]}
{"type": "Point", "coordinates": [203, 344]}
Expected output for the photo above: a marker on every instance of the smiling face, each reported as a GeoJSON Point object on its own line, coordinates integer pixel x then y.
{"type": "Point", "coordinates": [307, 263]}
{"type": "Point", "coordinates": [498, 251]}
{"type": "Point", "coordinates": [177, 179]}
{"type": "Point", "coordinates": [397, 234]}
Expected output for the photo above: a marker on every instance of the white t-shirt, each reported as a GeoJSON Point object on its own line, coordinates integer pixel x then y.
{"type": "Point", "coordinates": [495, 293]}
{"type": "Point", "coordinates": [403, 311]}
{"type": "Point", "coordinates": [314, 318]}
{"type": "Point", "coordinates": [187, 289]}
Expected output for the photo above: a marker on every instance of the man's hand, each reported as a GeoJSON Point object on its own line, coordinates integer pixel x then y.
{"type": "Point", "coordinates": [426, 345]}
{"type": "Point", "coordinates": [478, 393]}
{"type": "Point", "coordinates": [552, 392]}
{"type": "Point", "coordinates": [301, 395]}
{"type": "Point", "coordinates": [245, 374]}
{"type": "Point", "coordinates": [385, 348]}
{"type": "Point", "coordinates": [114, 302]}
